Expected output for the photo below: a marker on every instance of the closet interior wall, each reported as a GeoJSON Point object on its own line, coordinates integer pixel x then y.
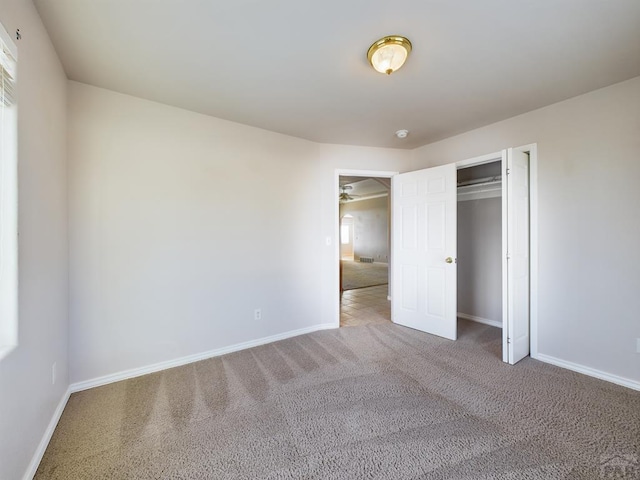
{"type": "Point", "coordinates": [480, 243]}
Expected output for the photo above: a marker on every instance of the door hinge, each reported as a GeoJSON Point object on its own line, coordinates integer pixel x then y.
{"type": "Point", "coordinates": [508, 171]}
{"type": "Point", "coordinates": [508, 256]}
{"type": "Point", "coordinates": [508, 340]}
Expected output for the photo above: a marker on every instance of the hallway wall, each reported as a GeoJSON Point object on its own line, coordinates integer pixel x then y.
{"type": "Point", "coordinates": [371, 227]}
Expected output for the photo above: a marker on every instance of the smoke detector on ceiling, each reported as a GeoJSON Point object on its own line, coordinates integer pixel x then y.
{"type": "Point", "coordinates": [402, 133]}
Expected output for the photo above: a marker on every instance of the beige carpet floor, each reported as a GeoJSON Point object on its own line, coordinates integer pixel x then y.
{"type": "Point", "coordinates": [371, 402]}
{"type": "Point", "coordinates": [361, 275]}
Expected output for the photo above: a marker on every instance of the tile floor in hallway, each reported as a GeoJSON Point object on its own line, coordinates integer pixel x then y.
{"type": "Point", "coordinates": [364, 306]}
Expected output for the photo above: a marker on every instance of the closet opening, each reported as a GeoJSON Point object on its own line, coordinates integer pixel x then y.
{"type": "Point", "coordinates": [480, 245]}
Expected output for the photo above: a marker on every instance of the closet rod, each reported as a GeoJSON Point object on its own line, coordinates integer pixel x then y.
{"type": "Point", "coordinates": [480, 181]}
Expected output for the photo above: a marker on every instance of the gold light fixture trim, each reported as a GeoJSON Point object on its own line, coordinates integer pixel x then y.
{"type": "Point", "coordinates": [389, 53]}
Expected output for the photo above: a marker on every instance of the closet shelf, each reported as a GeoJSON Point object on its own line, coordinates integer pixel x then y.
{"type": "Point", "coordinates": [476, 191]}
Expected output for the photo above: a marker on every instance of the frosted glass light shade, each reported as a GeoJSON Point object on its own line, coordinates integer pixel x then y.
{"type": "Point", "coordinates": [389, 54]}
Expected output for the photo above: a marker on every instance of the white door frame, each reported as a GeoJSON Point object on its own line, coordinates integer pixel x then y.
{"type": "Point", "coordinates": [336, 234]}
{"type": "Point", "coordinates": [532, 150]}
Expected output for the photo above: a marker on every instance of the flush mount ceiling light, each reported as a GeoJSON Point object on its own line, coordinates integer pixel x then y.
{"type": "Point", "coordinates": [389, 53]}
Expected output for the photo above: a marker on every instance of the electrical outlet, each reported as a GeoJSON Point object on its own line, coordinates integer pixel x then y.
{"type": "Point", "coordinates": [257, 314]}
{"type": "Point", "coordinates": [53, 373]}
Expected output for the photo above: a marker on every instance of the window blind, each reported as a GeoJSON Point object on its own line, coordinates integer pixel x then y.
{"type": "Point", "coordinates": [8, 195]}
{"type": "Point", "coordinates": [8, 75]}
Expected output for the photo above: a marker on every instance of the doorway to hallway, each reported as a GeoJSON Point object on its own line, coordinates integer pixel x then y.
{"type": "Point", "coordinates": [364, 214]}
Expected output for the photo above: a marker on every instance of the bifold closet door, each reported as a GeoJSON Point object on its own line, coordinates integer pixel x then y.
{"type": "Point", "coordinates": [517, 255]}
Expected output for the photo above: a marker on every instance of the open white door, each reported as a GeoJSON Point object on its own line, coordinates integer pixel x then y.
{"type": "Point", "coordinates": [423, 240]}
{"type": "Point", "coordinates": [517, 255]}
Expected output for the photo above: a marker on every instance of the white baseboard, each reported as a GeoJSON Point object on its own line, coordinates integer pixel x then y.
{"type": "Point", "coordinates": [592, 372]}
{"type": "Point", "coordinates": [485, 321]}
{"type": "Point", "coordinates": [44, 442]}
{"type": "Point", "coordinates": [177, 362]}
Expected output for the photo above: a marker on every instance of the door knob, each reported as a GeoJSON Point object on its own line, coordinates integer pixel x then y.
{"type": "Point", "coordinates": [449, 260]}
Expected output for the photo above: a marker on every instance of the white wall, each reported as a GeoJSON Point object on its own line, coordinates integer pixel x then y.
{"type": "Point", "coordinates": [371, 227]}
{"type": "Point", "coordinates": [589, 169]}
{"type": "Point", "coordinates": [480, 258]}
{"type": "Point", "coordinates": [182, 224]}
{"type": "Point", "coordinates": [27, 397]}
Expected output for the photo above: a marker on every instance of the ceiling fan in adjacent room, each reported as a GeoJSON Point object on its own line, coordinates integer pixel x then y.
{"type": "Point", "coordinates": [344, 196]}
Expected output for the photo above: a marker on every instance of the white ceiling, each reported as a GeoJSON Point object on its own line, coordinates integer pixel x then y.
{"type": "Point", "coordinates": [300, 68]}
